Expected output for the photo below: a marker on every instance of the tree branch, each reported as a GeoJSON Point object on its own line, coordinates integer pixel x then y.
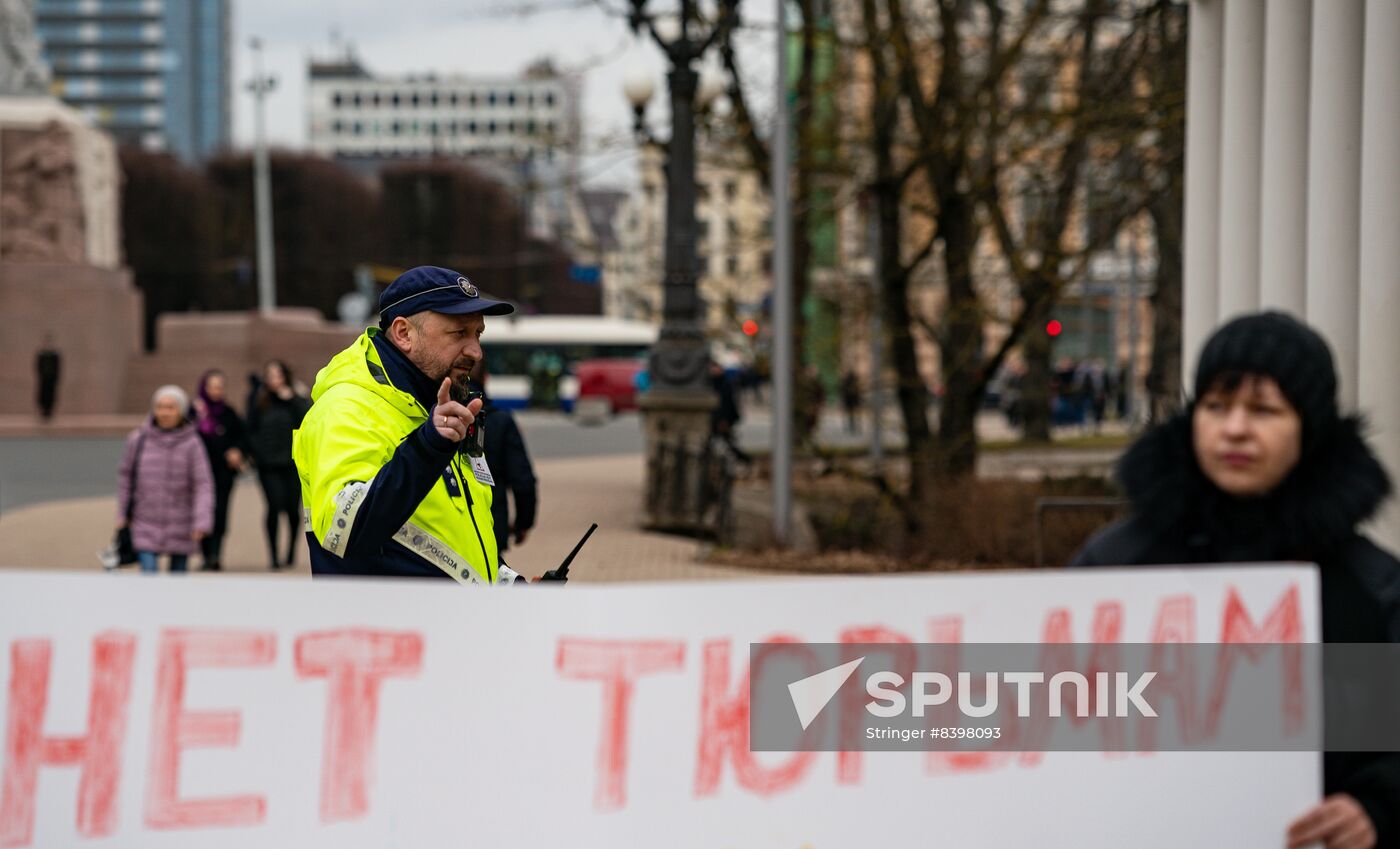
{"type": "Point", "coordinates": [759, 155]}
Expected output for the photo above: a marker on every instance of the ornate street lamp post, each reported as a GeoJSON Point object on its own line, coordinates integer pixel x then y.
{"type": "Point", "coordinates": [676, 410]}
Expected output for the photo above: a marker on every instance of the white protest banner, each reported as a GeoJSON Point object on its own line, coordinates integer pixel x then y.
{"type": "Point", "coordinates": [235, 712]}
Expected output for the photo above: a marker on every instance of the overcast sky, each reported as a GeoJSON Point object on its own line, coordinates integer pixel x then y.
{"type": "Point", "coordinates": [465, 36]}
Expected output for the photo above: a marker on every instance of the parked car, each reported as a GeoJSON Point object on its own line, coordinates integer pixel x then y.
{"type": "Point", "coordinates": [610, 380]}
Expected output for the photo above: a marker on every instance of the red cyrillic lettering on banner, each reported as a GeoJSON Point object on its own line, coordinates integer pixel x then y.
{"type": "Point", "coordinates": [1108, 622]}
{"type": "Point", "coordinates": [1283, 624]}
{"type": "Point", "coordinates": [946, 631]}
{"type": "Point", "coordinates": [1057, 655]}
{"type": "Point", "coordinates": [851, 722]}
{"type": "Point", "coordinates": [618, 664]}
{"type": "Point", "coordinates": [724, 724]}
{"type": "Point", "coordinates": [98, 753]}
{"type": "Point", "coordinates": [1107, 626]}
{"type": "Point", "coordinates": [174, 729]}
{"type": "Point", "coordinates": [355, 661]}
{"type": "Point", "coordinates": [1173, 659]}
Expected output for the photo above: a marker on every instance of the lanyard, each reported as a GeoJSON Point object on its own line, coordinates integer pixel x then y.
{"type": "Point", "coordinates": [460, 480]}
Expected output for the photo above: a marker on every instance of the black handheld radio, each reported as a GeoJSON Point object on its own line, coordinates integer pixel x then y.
{"type": "Point", "coordinates": [474, 443]}
{"type": "Point", "coordinates": [562, 573]}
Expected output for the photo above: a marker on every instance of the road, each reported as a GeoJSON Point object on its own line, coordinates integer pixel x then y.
{"type": "Point", "coordinates": [38, 469]}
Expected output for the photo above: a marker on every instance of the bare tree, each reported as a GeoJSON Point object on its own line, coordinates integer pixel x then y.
{"type": "Point", "coordinates": [817, 125]}
{"type": "Point", "coordinates": [982, 125]}
{"type": "Point", "coordinates": [976, 113]}
{"type": "Point", "coordinates": [1094, 132]}
{"type": "Point", "coordinates": [325, 218]}
{"type": "Point", "coordinates": [1163, 167]}
{"type": "Point", "coordinates": [447, 213]}
{"type": "Point", "coordinates": [169, 254]}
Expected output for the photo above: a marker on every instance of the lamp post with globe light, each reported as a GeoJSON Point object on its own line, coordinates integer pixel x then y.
{"type": "Point", "coordinates": [677, 408]}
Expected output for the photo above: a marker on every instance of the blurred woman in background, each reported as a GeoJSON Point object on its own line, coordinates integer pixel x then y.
{"type": "Point", "coordinates": [225, 443]}
{"type": "Point", "coordinates": [275, 410]}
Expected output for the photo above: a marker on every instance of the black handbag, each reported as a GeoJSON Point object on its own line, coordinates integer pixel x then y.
{"type": "Point", "coordinates": [122, 545]}
{"type": "Point", "coordinates": [126, 552]}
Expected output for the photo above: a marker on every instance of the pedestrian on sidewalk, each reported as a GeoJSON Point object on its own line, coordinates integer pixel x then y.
{"type": "Point", "coordinates": [164, 485]}
{"type": "Point", "coordinates": [724, 418]}
{"type": "Point", "coordinates": [1095, 387]}
{"type": "Point", "coordinates": [511, 469]}
{"type": "Point", "coordinates": [1263, 467]}
{"type": "Point", "coordinates": [48, 364]}
{"type": "Point", "coordinates": [226, 443]}
{"type": "Point", "coordinates": [388, 457]}
{"type": "Point", "coordinates": [850, 400]}
{"type": "Point", "coordinates": [275, 411]}
{"type": "Point", "coordinates": [809, 395]}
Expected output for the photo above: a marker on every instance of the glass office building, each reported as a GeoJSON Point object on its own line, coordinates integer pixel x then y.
{"type": "Point", "coordinates": [151, 72]}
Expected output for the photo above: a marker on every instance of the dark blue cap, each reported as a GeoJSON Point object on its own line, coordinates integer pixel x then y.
{"type": "Point", "coordinates": [428, 287]}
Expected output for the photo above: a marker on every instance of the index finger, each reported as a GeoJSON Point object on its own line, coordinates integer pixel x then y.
{"type": "Point", "coordinates": [444, 393]}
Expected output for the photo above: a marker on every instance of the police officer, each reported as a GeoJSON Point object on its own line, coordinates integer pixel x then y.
{"type": "Point", "coordinates": [385, 487]}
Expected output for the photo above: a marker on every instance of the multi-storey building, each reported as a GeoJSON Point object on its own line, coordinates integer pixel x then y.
{"type": "Point", "coordinates": [354, 114]}
{"type": "Point", "coordinates": [151, 72]}
{"type": "Point", "coordinates": [733, 247]}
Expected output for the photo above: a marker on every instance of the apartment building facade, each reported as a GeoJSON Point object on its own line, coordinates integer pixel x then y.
{"type": "Point", "coordinates": [154, 73]}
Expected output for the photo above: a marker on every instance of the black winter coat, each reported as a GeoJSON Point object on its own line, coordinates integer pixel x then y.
{"type": "Point", "coordinates": [513, 473]}
{"type": "Point", "coordinates": [1180, 517]}
{"type": "Point", "coordinates": [229, 433]}
{"type": "Point", "coordinates": [270, 425]}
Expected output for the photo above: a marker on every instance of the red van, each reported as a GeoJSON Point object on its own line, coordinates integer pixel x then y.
{"type": "Point", "coordinates": [611, 379]}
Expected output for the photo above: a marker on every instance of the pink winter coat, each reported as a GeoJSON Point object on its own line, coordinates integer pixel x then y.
{"type": "Point", "coordinates": [174, 489]}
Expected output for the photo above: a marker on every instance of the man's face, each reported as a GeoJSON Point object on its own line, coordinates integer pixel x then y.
{"type": "Point", "coordinates": [446, 346]}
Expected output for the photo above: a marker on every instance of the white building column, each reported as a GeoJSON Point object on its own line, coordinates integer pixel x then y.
{"type": "Point", "coordinates": [1379, 360]}
{"type": "Point", "coordinates": [1334, 181]}
{"type": "Point", "coordinates": [1201, 239]}
{"type": "Point", "coordinates": [1241, 146]}
{"type": "Point", "coordinates": [1283, 205]}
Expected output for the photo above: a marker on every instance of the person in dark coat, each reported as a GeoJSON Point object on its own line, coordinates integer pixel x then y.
{"type": "Point", "coordinates": [274, 411]}
{"type": "Point", "coordinates": [724, 418]}
{"type": "Point", "coordinates": [850, 400]}
{"type": "Point", "coordinates": [511, 469]}
{"type": "Point", "coordinates": [48, 367]}
{"type": "Point", "coordinates": [1262, 467]}
{"type": "Point", "coordinates": [226, 444]}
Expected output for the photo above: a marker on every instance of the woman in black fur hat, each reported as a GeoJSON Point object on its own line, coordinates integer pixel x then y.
{"type": "Point", "coordinates": [1262, 467]}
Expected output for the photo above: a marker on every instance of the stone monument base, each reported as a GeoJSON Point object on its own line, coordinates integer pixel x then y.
{"type": "Point", "coordinates": [236, 343]}
{"type": "Point", "coordinates": [93, 316]}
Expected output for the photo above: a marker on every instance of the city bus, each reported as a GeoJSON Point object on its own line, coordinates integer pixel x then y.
{"type": "Point", "coordinates": [530, 359]}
